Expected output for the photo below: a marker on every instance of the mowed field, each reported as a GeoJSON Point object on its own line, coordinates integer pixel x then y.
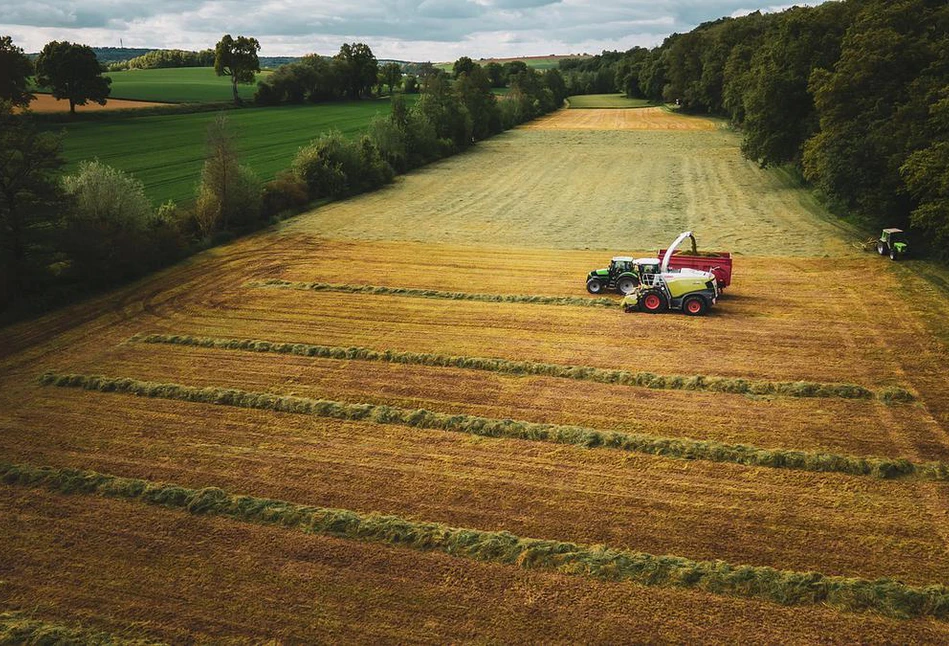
{"type": "Point", "coordinates": [588, 101]}
{"type": "Point", "coordinates": [425, 402]}
{"type": "Point", "coordinates": [167, 151]}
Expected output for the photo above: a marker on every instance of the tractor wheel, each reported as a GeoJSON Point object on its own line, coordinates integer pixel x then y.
{"type": "Point", "coordinates": [882, 248]}
{"type": "Point", "coordinates": [626, 285]}
{"type": "Point", "coordinates": [652, 301]}
{"type": "Point", "coordinates": [694, 306]}
{"type": "Point", "coordinates": [893, 255]}
{"type": "Point", "coordinates": [594, 286]}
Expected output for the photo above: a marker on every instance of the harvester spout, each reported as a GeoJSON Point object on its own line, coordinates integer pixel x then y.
{"type": "Point", "coordinates": [682, 236]}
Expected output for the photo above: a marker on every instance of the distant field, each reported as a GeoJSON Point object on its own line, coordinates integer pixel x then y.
{"type": "Point", "coordinates": [646, 118]}
{"type": "Point", "coordinates": [166, 152]}
{"type": "Point", "coordinates": [605, 101]}
{"type": "Point", "coordinates": [178, 85]}
{"type": "Point", "coordinates": [537, 62]}
{"type": "Point", "coordinates": [641, 175]}
{"type": "Point", "coordinates": [45, 103]}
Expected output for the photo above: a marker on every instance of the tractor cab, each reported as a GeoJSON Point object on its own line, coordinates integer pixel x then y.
{"type": "Point", "coordinates": [620, 265]}
{"type": "Point", "coordinates": [646, 269]}
{"type": "Point", "coordinates": [892, 243]}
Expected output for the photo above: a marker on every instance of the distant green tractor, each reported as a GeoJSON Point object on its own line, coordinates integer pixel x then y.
{"type": "Point", "coordinates": [892, 243]}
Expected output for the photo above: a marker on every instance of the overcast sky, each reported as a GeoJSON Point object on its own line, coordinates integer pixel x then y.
{"type": "Point", "coordinates": [436, 30]}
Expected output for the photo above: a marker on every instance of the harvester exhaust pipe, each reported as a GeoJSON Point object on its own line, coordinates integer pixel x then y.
{"type": "Point", "coordinates": [682, 236]}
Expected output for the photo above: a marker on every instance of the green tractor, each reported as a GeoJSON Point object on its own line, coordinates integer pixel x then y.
{"type": "Point", "coordinates": [892, 243]}
{"type": "Point", "coordinates": [621, 275]}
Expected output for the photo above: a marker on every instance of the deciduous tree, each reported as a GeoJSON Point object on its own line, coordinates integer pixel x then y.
{"type": "Point", "coordinates": [29, 201]}
{"type": "Point", "coordinates": [15, 72]}
{"type": "Point", "coordinates": [358, 69]}
{"type": "Point", "coordinates": [237, 58]}
{"type": "Point", "coordinates": [391, 75]}
{"type": "Point", "coordinates": [72, 72]}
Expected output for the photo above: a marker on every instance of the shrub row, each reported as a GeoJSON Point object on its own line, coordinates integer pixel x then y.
{"type": "Point", "coordinates": [581, 373]}
{"type": "Point", "coordinates": [434, 293]}
{"type": "Point", "coordinates": [885, 596]}
{"type": "Point", "coordinates": [18, 628]}
{"type": "Point", "coordinates": [680, 448]}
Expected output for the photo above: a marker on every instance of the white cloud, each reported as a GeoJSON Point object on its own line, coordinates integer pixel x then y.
{"type": "Point", "coordinates": [404, 29]}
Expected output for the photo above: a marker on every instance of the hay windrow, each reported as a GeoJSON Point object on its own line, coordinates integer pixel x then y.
{"type": "Point", "coordinates": [434, 293]}
{"type": "Point", "coordinates": [581, 373]}
{"type": "Point", "coordinates": [885, 596]}
{"type": "Point", "coordinates": [679, 448]}
{"type": "Point", "coordinates": [19, 628]}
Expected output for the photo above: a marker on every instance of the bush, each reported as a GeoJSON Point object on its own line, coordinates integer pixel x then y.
{"type": "Point", "coordinates": [389, 141]}
{"type": "Point", "coordinates": [103, 193]}
{"type": "Point", "coordinates": [333, 166]}
{"type": "Point", "coordinates": [286, 192]}
{"type": "Point", "coordinates": [110, 228]}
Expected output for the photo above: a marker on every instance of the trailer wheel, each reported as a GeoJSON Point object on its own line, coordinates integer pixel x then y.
{"type": "Point", "coordinates": [652, 301]}
{"type": "Point", "coordinates": [694, 306]}
{"type": "Point", "coordinates": [594, 286]}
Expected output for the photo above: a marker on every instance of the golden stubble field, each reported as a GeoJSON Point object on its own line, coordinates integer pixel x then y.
{"type": "Point", "coordinates": [805, 311]}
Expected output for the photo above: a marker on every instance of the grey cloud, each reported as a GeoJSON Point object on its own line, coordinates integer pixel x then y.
{"type": "Point", "coordinates": [523, 4]}
{"type": "Point", "coordinates": [534, 26]}
{"type": "Point", "coordinates": [449, 9]}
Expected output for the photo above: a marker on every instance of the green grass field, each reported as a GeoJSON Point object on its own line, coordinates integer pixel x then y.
{"type": "Point", "coordinates": [166, 152]}
{"type": "Point", "coordinates": [177, 85]}
{"type": "Point", "coordinates": [605, 101]}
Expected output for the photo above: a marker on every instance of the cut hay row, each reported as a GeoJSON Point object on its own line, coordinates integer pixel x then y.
{"type": "Point", "coordinates": [582, 373]}
{"type": "Point", "coordinates": [679, 448]}
{"type": "Point", "coordinates": [884, 596]}
{"type": "Point", "coordinates": [434, 293]}
{"type": "Point", "coordinates": [19, 628]}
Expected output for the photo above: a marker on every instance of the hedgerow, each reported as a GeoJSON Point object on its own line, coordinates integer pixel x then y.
{"type": "Point", "coordinates": [583, 373]}
{"type": "Point", "coordinates": [886, 596]}
{"type": "Point", "coordinates": [681, 448]}
{"type": "Point", "coordinates": [434, 293]}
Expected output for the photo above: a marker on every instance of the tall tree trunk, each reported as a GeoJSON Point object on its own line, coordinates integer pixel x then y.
{"type": "Point", "coordinates": [237, 98]}
{"type": "Point", "coordinates": [72, 108]}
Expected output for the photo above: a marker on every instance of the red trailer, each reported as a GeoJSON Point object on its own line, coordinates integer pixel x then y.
{"type": "Point", "coordinates": [717, 262]}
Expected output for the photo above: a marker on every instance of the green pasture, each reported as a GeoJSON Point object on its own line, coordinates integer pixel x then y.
{"type": "Point", "coordinates": [177, 85]}
{"type": "Point", "coordinates": [589, 101]}
{"type": "Point", "coordinates": [166, 152]}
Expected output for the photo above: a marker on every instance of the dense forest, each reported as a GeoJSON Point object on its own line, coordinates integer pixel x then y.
{"type": "Point", "coordinates": [854, 95]}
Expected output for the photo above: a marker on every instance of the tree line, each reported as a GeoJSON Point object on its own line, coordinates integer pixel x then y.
{"type": "Point", "coordinates": [163, 58]}
{"type": "Point", "coordinates": [854, 95]}
{"type": "Point", "coordinates": [68, 233]}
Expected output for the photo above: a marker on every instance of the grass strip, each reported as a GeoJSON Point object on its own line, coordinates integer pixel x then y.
{"type": "Point", "coordinates": [884, 595]}
{"type": "Point", "coordinates": [582, 373]}
{"type": "Point", "coordinates": [18, 628]}
{"type": "Point", "coordinates": [681, 448]}
{"type": "Point", "coordinates": [434, 293]}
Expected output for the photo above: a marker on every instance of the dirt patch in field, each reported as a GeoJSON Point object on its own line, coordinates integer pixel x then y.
{"type": "Point", "coordinates": [45, 103]}
{"type": "Point", "coordinates": [619, 119]}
